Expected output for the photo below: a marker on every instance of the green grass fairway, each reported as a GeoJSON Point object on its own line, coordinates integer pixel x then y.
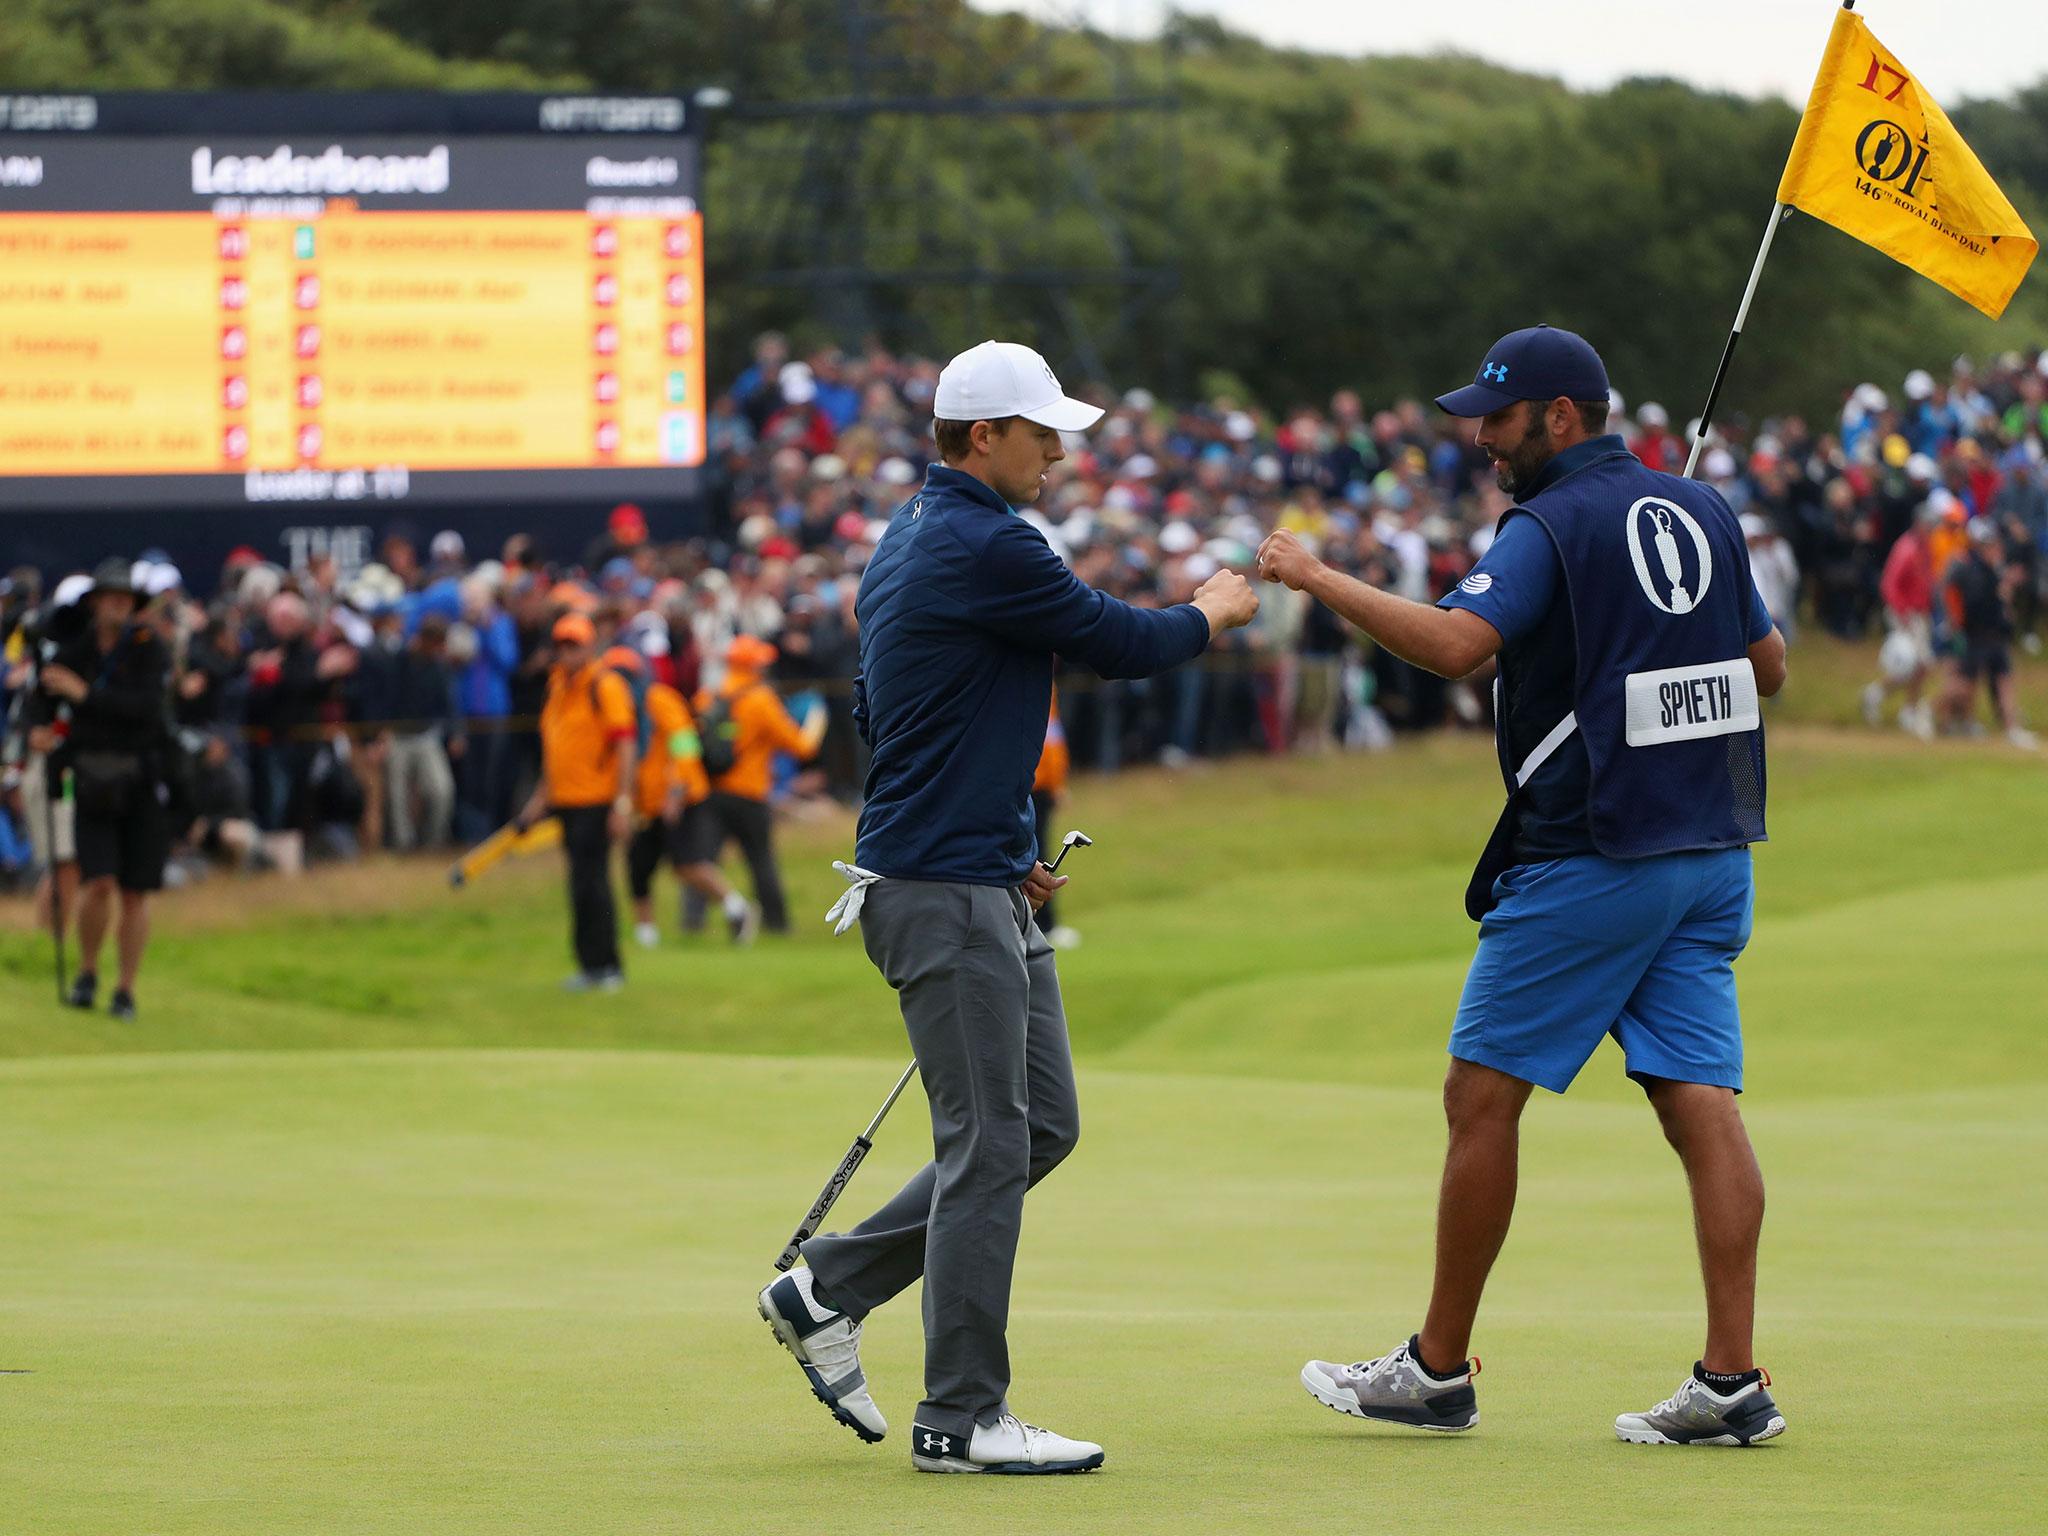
{"type": "Point", "coordinates": [365, 1228]}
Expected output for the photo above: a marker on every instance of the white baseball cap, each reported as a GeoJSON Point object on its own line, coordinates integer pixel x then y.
{"type": "Point", "coordinates": [70, 590]}
{"type": "Point", "coordinates": [1005, 378]}
{"type": "Point", "coordinates": [153, 578]}
{"type": "Point", "coordinates": [798, 384]}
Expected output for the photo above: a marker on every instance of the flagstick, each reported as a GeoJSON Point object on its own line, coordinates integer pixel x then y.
{"type": "Point", "coordinates": [1779, 213]}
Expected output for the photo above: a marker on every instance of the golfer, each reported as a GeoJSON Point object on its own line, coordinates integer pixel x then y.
{"type": "Point", "coordinates": [961, 610]}
{"type": "Point", "coordinates": [1615, 893]}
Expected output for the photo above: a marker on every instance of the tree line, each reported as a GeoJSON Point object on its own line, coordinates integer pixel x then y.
{"type": "Point", "coordinates": [1365, 222]}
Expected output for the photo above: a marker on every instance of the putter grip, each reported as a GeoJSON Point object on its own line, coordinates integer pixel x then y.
{"type": "Point", "coordinates": [834, 1187]}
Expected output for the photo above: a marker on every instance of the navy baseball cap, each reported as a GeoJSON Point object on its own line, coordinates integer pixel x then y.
{"type": "Point", "coordinates": [1539, 363]}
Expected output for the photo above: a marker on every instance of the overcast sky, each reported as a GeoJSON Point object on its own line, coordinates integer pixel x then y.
{"type": "Point", "coordinates": [1758, 47]}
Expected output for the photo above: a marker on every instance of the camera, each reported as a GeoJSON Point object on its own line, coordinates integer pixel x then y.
{"type": "Point", "coordinates": [51, 625]}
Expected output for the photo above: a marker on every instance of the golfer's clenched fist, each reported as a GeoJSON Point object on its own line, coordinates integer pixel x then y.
{"type": "Point", "coordinates": [1285, 559]}
{"type": "Point", "coordinates": [1227, 601]}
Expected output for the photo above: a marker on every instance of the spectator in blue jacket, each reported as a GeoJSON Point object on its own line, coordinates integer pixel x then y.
{"type": "Point", "coordinates": [484, 787]}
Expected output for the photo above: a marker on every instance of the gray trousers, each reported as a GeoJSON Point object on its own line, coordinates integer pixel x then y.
{"type": "Point", "coordinates": [419, 762]}
{"type": "Point", "coordinates": [981, 1001]}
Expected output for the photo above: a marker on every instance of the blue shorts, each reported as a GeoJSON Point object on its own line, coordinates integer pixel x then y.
{"type": "Point", "coordinates": [1643, 949]}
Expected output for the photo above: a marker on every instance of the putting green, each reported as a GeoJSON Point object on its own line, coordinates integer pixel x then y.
{"type": "Point", "coordinates": [512, 1291]}
{"type": "Point", "coordinates": [365, 1228]}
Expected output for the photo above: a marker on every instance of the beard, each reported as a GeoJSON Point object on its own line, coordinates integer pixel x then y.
{"type": "Point", "coordinates": [1519, 468]}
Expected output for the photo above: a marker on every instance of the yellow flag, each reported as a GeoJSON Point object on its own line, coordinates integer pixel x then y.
{"type": "Point", "coordinates": [1877, 158]}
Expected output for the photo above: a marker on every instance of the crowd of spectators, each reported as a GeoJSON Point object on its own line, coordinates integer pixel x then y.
{"type": "Point", "coordinates": [392, 705]}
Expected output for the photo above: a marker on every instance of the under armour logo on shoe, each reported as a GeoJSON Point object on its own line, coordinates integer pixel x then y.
{"type": "Point", "coordinates": [939, 1443]}
{"type": "Point", "coordinates": [1495, 373]}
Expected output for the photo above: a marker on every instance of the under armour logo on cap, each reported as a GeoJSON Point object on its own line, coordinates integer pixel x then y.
{"type": "Point", "coordinates": [1544, 363]}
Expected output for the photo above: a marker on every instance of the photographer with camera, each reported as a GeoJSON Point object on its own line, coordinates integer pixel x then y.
{"type": "Point", "coordinates": [104, 693]}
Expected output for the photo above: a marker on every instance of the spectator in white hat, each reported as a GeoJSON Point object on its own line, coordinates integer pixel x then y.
{"type": "Point", "coordinates": [445, 555]}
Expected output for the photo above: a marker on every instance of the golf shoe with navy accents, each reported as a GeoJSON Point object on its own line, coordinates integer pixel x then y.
{"type": "Point", "coordinates": [1696, 1414]}
{"type": "Point", "coordinates": [827, 1345]}
{"type": "Point", "coordinates": [1395, 1389]}
{"type": "Point", "coordinates": [1008, 1445]}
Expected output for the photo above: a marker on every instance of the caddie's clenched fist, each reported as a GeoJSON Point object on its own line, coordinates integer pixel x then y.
{"type": "Point", "coordinates": [1285, 559]}
{"type": "Point", "coordinates": [1226, 600]}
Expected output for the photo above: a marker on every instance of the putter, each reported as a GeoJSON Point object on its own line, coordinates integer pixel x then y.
{"type": "Point", "coordinates": [865, 1141]}
{"type": "Point", "coordinates": [1068, 844]}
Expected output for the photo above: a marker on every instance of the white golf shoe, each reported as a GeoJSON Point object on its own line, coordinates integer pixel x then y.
{"type": "Point", "coordinates": [1698, 1415]}
{"type": "Point", "coordinates": [1396, 1390]}
{"type": "Point", "coordinates": [1009, 1445]}
{"type": "Point", "coordinates": [827, 1345]}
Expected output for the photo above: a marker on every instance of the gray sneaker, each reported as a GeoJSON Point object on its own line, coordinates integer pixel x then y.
{"type": "Point", "coordinates": [1396, 1390]}
{"type": "Point", "coordinates": [1697, 1415]}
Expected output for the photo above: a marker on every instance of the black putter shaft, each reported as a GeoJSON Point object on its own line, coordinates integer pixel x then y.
{"type": "Point", "coordinates": [862, 1144]}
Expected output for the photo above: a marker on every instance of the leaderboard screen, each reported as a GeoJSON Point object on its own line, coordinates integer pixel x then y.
{"type": "Point", "coordinates": [222, 299]}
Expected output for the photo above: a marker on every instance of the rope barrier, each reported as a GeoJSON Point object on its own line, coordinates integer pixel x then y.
{"type": "Point", "coordinates": [1074, 685]}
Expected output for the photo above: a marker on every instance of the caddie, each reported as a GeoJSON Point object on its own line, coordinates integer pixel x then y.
{"type": "Point", "coordinates": [962, 609]}
{"type": "Point", "coordinates": [1615, 893]}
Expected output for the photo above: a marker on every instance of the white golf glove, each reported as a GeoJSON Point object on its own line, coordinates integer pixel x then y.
{"type": "Point", "coordinates": [846, 910]}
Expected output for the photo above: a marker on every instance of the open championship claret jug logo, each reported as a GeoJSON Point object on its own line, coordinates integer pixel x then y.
{"type": "Point", "coordinates": [1886, 153]}
{"type": "Point", "coordinates": [1670, 553]}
